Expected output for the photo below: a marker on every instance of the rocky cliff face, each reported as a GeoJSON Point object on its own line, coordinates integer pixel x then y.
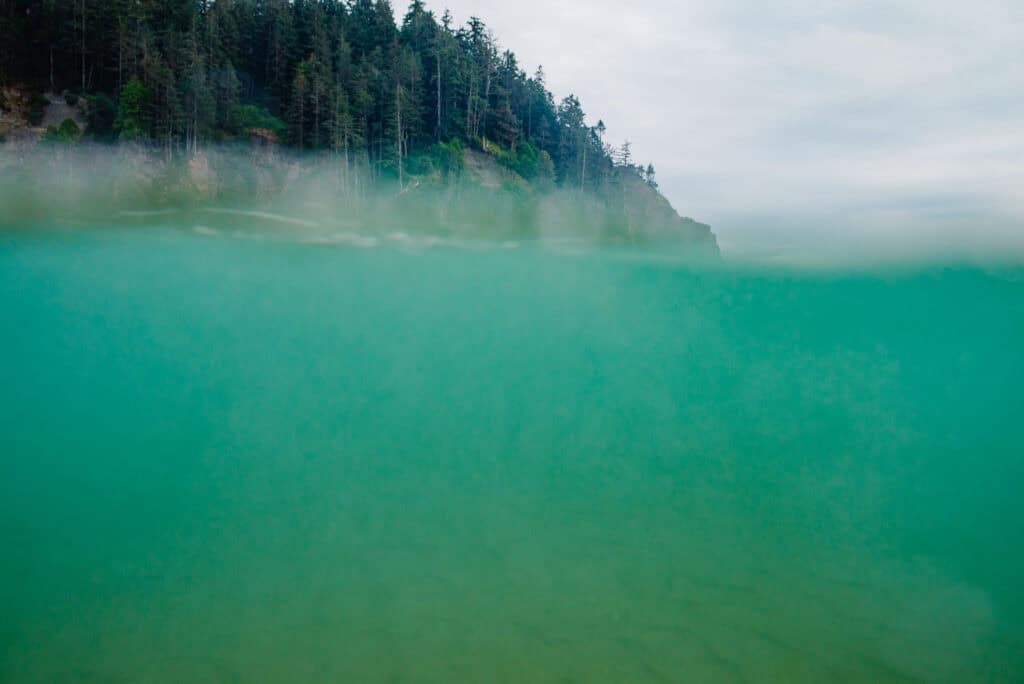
{"type": "Point", "coordinates": [485, 200]}
{"type": "Point", "coordinates": [628, 210]}
{"type": "Point", "coordinates": [649, 215]}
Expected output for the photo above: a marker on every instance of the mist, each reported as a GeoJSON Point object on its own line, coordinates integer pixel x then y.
{"type": "Point", "coordinates": [320, 199]}
{"type": "Point", "coordinates": [323, 199]}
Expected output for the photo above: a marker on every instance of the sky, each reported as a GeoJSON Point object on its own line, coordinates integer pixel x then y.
{"type": "Point", "coordinates": [812, 121]}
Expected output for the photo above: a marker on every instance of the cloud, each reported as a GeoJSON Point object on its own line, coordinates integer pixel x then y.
{"type": "Point", "coordinates": [867, 116]}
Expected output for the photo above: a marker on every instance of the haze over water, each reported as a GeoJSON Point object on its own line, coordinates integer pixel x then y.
{"type": "Point", "coordinates": [242, 460]}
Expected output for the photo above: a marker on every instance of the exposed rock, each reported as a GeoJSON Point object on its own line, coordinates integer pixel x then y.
{"type": "Point", "coordinates": [58, 110]}
{"type": "Point", "coordinates": [488, 201]}
{"type": "Point", "coordinates": [203, 178]}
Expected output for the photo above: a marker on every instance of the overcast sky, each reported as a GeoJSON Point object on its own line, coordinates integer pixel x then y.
{"type": "Point", "coordinates": [830, 120]}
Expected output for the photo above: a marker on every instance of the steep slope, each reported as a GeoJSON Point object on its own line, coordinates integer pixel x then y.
{"type": "Point", "coordinates": [648, 213]}
{"type": "Point", "coordinates": [628, 210]}
{"type": "Point", "coordinates": [480, 199]}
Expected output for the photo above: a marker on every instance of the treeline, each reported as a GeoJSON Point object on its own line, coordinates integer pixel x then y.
{"type": "Point", "coordinates": [320, 75]}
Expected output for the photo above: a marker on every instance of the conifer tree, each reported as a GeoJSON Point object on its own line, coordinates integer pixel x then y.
{"type": "Point", "coordinates": [330, 76]}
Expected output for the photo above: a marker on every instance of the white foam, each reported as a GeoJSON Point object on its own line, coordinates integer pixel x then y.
{"type": "Point", "coordinates": [266, 215]}
{"type": "Point", "coordinates": [147, 212]}
{"type": "Point", "coordinates": [350, 239]}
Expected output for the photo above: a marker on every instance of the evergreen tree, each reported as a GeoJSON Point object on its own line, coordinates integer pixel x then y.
{"type": "Point", "coordinates": [347, 80]}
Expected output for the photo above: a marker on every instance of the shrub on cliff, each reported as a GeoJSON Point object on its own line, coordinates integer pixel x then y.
{"type": "Point", "coordinates": [65, 134]}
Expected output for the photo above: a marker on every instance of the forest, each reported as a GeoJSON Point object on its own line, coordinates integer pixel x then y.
{"type": "Point", "coordinates": [390, 97]}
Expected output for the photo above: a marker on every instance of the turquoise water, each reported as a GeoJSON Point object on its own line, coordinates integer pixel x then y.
{"type": "Point", "coordinates": [233, 460]}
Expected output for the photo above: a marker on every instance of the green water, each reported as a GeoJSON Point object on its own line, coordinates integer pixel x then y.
{"type": "Point", "coordinates": [232, 460]}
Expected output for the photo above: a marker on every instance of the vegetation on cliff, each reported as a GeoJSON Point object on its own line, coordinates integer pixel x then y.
{"type": "Point", "coordinates": [400, 105]}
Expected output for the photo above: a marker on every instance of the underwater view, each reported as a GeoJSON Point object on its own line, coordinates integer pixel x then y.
{"type": "Point", "coordinates": [586, 342]}
{"type": "Point", "coordinates": [236, 456]}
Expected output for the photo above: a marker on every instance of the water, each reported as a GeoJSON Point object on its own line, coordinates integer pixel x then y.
{"type": "Point", "coordinates": [233, 460]}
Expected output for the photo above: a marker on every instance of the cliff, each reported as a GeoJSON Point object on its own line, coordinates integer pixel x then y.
{"type": "Point", "coordinates": [451, 192]}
